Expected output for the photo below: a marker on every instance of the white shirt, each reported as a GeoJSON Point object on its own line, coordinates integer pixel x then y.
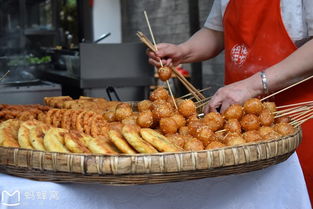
{"type": "Point", "coordinates": [297, 16]}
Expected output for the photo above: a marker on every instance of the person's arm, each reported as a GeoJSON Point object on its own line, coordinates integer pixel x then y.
{"type": "Point", "coordinates": [295, 67]}
{"type": "Point", "coordinates": [204, 44]}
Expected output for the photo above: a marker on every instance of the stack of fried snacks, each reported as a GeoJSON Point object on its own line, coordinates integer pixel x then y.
{"type": "Point", "coordinates": [22, 112]}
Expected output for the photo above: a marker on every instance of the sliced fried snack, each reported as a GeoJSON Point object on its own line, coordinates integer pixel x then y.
{"type": "Point", "coordinates": [74, 119]}
{"type": "Point", "coordinates": [133, 138]}
{"type": "Point", "coordinates": [87, 121]}
{"type": "Point", "coordinates": [120, 142]}
{"type": "Point", "coordinates": [97, 145]}
{"type": "Point", "coordinates": [57, 118]}
{"type": "Point", "coordinates": [36, 135]}
{"type": "Point", "coordinates": [158, 140]}
{"type": "Point", "coordinates": [23, 135]}
{"type": "Point", "coordinates": [9, 133]}
{"type": "Point", "coordinates": [74, 142]}
{"type": "Point", "coordinates": [95, 129]}
{"type": "Point", "coordinates": [49, 117]}
{"type": "Point", "coordinates": [66, 119]}
{"type": "Point", "coordinates": [54, 140]}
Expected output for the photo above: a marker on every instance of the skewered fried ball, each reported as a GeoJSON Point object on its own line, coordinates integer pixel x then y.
{"type": "Point", "coordinates": [164, 73]}
{"type": "Point", "coordinates": [168, 126]}
{"type": "Point", "coordinates": [233, 139]}
{"type": "Point", "coordinates": [252, 136]}
{"type": "Point", "coordinates": [284, 129]}
{"type": "Point", "coordinates": [192, 118]}
{"type": "Point", "coordinates": [264, 130]}
{"type": "Point", "coordinates": [271, 106]}
{"type": "Point", "coordinates": [184, 131]}
{"type": "Point", "coordinates": [234, 111]}
{"type": "Point", "coordinates": [123, 111]}
{"type": "Point", "coordinates": [176, 139]}
{"type": "Point", "coordinates": [266, 117]}
{"type": "Point", "coordinates": [215, 145]}
{"type": "Point", "coordinates": [193, 127]}
{"type": "Point", "coordinates": [272, 135]}
{"type": "Point", "coordinates": [220, 136]}
{"type": "Point", "coordinates": [193, 144]}
{"type": "Point", "coordinates": [159, 94]}
{"type": "Point", "coordinates": [161, 109]}
{"type": "Point", "coordinates": [214, 121]}
{"type": "Point", "coordinates": [253, 106]}
{"type": "Point", "coordinates": [179, 119]}
{"type": "Point", "coordinates": [204, 134]}
{"type": "Point", "coordinates": [250, 122]}
{"type": "Point", "coordinates": [284, 119]}
{"type": "Point", "coordinates": [233, 125]}
{"type": "Point", "coordinates": [144, 105]}
{"type": "Point", "coordinates": [145, 119]}
{"type": "Point", "coordinates": [187, 108]}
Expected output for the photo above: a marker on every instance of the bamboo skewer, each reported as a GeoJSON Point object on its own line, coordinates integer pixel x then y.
{"type": "Point", "coordinates": [284, 89]}
{"type": "Point", "coordinates": [5, 75]}
{"type": "Point", "coordinates": [156, 49]}
{"type": "Point", "coordinates": [291, 112]}
{"type": "Point", "coordinates": [189, 94]}
{"type": "Point", "coordinates": [146, 41]}
{"type": "Point", "coordinates": [296, 104]}
{"type": "Point", "coordinates": [303, 117]}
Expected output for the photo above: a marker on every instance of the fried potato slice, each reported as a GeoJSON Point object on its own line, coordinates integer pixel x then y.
{"type": "Point", "coordinates": [74, 142]}
{"type": "Point", "coordinates": [133, 138]}
{"type": "Point", "coordinates": [36, 135]}
{"type": "Point", "coordinates": [9, 133]}
{"type": "Point", "coordinates": [54, 140]}
{"type": "Point", "coordinates": [120, 142]}
{"type": "Point", "coordinates": [98, 145]}
{"type": "Point", "coordinates": [158, 141]}
{"type": "Point", "coordinates": [24, 133]}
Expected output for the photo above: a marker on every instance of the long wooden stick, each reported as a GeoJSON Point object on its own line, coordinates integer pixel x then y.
{"type": "Point", "coordinates": [310, 77]}
{"type": "Point", "coordinates": [189, 94]}
{"type": "Point", "coordinates": [296, 104]}
{"type": "Point", "coordinates": [5, 75]}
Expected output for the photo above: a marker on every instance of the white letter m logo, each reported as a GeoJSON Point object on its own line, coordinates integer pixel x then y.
{"type": "Point", "coordinates": [11, 199]}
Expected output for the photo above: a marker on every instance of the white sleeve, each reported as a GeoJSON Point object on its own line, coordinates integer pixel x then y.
{"type": "Point", "coordinates": [215, 18]}
{"type": "Point", "coordinates": [308, 15]}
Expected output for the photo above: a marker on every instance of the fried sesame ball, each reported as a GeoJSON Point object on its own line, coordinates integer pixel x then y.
{"type": "Point", "coordinates": [191, 118]}
{"type": "Point", "coordinates": [214, 145]}
{"type": "Point", "coordinates": [184, 130]}
{"type": "Point", "coordinates": [204, 134]}
{"type": "Point", "coordinates": [168, 126]}
{"type": "Point", "coordinates": [234, 111]}
{"type": "Point", "coordinates": [193, 127]}
{"type": "Point", "coordinates": [144, 105]}
{"type": "Point", "coordinates": [109, 116]}
{"type": "Point", "coordinates": [164, 73]}
{"type": "Point", "coordinates": [284, 129]}
{"type": "Point", "coordinates": [176, 139]}
{"type": "Point", "coordinates": [253, 106]}
{"type": "Point", "coordinates": [161, 109]}
{"type": "Point", "coordinates": [233, 139]}
{"type": "Point", "coordinates": [233, 125]}
{"type": "Point", "coordinates": [220, 135]}
{"type": "Point", "coordinates": [187, 108]}
{"type": "Point", "coordinates": [250, 122]}
{"type": "Point", "coordinates": [283, 119]}
{"type": "Point", "coordinates": [252, 136]}
{"type": "Point", "coordinates": [159, 94]}
{"type": "Point", "coordinates": [272, 135]}
{"type": "Point", "coordinates": [179, 119]}
{"type": "Point", "coordinates": [214, 121]}
{"type": "Point", "coordinates": [123, 111]}
{"type": "Point", "coordinates": [264, 130]}
{"type": "Point", "coordinates": [145, 119]}
{"type": "Point", "coordinates": [271, 106]}
{"type": "Point", "coordinates": [266, 117]}
{"type": "Point", "coordinates": [193, 144]}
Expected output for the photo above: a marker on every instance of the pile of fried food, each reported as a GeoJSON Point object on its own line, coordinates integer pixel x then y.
{"type": "Point", "coordinates": [95, 125]}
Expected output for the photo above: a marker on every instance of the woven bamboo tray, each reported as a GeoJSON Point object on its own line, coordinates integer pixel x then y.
{"type": "Point", "coordinates": [146, 169]}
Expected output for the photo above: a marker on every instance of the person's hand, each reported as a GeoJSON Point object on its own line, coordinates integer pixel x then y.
{"type": "Point", "coordinates": [168, 53]}
{"type": "Point", "coordinates": [235, 93]}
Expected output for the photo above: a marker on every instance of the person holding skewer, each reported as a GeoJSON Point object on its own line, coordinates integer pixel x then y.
{"type": "Point", "coordinates": [267, 47]}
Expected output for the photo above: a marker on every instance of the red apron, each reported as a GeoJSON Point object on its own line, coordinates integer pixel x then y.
{"type": "Point", "coordinates": [255, 39]}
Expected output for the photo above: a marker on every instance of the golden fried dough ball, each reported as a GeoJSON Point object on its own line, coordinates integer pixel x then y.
{"type": "Point", "coordinates": [250, 122]}
{"type": "Point", "coordinates": [214, 121]}
{"type": "Point", "coordinates": [271, 106]}
{"type": "Point", "coordinates": [233, 125]}
{"type": "Point", "coordinates": [184, 130]}
{"type": "Point", "coordinates": [187, 108]}
{"type": "Point", "coordinates": [284, 119]}
{"type": "Point", "coordinates": [204, 134]}
{"type": "Point", "coordinates": [234, 111]}
{"type": "Point", "coordinates": [109, 116]}
{"type": "Point", "coordinates": [220, 135]}
{"type": "Point", "coordinates": [131, 120]}
{"type": "Point", "coordinates": [253, 106]}
{"type": "Point", "coordinates": [264, 130]}
{"type": "Point", "coordinates": [176, 139]}
{"type": "Point", "coordinates": [272, 135]}
{"type": "Point", "coordinates": [161, 109]}
{"type": "Point", "coordinates": [193, 127]}
{"type": "Point", "coordinates": [145, 119]}
{"type": "Point", "coordinates": [266, 117]}
{"type": "Point", "coordinates": [193, 144]}
{"type": "Point", "coordinates": [192, 118]}
{"type": "Point", "coordinates": [144, 105]}
{"type": "Point", "coordinates": [284, 129]}
{"type": "Point", "coordinates": [164, 73]}
{"type": "Point", "coordinates": [233, 139]}
{"type": "Point", "coordinates": [123, 111]}
{"type": "Point", "coordinates": [168, 126]}
{"type": "Point", "coordinates": [179, 119]}
{"type": "Point", "coordinates": [252, 136]}
{"type": "Point", "coordinates": [159, 94]}
{"type": "Point", "coordinates": [214, 145]}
